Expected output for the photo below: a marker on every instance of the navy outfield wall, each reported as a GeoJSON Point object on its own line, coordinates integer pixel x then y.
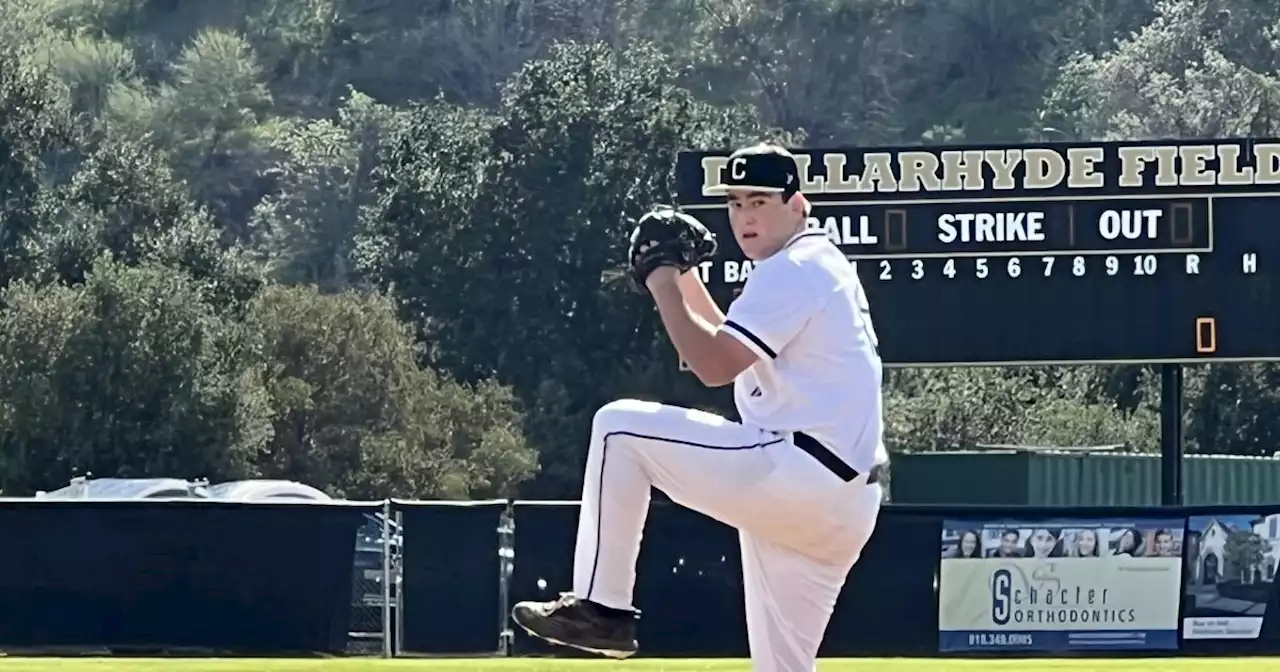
{"type": "Point", "coordinates": [261, 578]}
{"type": "Point", "coordinates": [451, 595]}
{"type": "Point", "coordinates": [276, 578]}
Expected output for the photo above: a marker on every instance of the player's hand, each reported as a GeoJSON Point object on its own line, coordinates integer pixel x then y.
{"type": "Point", "coordinates": [666, 238]}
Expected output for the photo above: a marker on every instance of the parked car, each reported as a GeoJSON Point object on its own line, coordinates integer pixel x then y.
{"type": "Point", "coordinates": [129, 488]}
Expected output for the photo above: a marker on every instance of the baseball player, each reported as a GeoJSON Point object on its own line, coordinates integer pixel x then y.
{"type": "Point", "coordinates": [798, 476]}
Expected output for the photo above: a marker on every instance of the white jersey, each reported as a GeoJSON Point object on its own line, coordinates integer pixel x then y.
{"type": "Point", "coordinates": [803, 311]}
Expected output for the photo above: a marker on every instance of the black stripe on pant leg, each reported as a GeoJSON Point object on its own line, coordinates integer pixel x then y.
{"type": "Point", "coordinates": [604, 454]}
{"type": "Point", "coordinates": [595, 562]}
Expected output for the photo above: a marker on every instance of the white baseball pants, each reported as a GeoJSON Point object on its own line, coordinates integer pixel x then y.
{"type": "Point", "coordinates": [801, 527]}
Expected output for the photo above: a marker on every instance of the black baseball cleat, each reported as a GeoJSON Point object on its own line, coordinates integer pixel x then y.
{"type": "Point", "coordinates": [581, 625]}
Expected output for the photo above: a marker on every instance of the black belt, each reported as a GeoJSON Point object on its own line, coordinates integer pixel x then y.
{"type": "Point", "coordinates": [829, 460]}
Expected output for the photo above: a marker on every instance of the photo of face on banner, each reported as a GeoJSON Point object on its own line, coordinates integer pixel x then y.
{"type": "Point", "coordinates": [1041, 542]}
{"type": "Point", "coordinates": [1085, 542]}
{"type": "Point", "coordinates": [1146, 543]}
{"type": "Point", "coordinates": [965, 544]}
{"type": "Point", "coordinates": [1053, 541]}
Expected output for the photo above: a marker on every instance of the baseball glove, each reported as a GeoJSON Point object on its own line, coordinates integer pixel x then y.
{"type": "Point", "coordinates": [667, 237]}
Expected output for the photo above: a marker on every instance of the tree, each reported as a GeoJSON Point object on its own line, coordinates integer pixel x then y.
{"type": "Point", "coordinates": [1230, 409]}
{"type": "Point", "coordinates": [461, 50]}
{"type": "Point", "coordinates": [130, 374]}
{"type": "Point", "coordinates": [979, 68]}
{"type": "Point", "coordinates": [1244, 551]}
{"type": "Point", "coordinates": [353, 413]}
{"type": "Point", "coordinates": [307, 226]}
{"type": "Point", "coordinates": [34, 121]}
{"type": "Point", "coordinates": [1181, 76]}
{"type": "Point", "coordinates": [124, 202]}
{"type": "Point", "coordinates": [92, 70]}
{"type": "Point", "coordinates": [828, 67]}
{"type": "Point", "coordinates": [427, 182]}
{"type": "Point", "coordinates": [211, 120]}
{"type": "Point", "coordinates": [953, 409]}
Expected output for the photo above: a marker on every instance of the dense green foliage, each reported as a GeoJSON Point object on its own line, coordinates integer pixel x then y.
{"type": "Point", "coordinates": [359, 244]}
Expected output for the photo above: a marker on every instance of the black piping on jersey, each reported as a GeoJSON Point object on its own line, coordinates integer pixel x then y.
{"type": "Point", "coordinates": [604, 455]}
{"type": "Point", "coordinates": [752, 337]}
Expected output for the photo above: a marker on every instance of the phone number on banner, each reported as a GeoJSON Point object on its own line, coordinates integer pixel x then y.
{"type": "Point", "coordinates": [1041, 640]}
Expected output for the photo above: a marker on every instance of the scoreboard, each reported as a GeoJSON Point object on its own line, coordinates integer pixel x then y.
{"type": "Point", "coordinates": [1142, 252]}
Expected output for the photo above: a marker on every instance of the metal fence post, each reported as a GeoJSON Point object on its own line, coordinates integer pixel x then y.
{"type": "Point", "coordinates": [387, 651]}
{"type": "Point", "coordinates": [399, 612]}
{"type": "Point", "coordinates": [506, 554]}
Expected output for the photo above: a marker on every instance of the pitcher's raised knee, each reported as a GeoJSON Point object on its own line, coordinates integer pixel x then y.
{"type": "Point", "coordinates": [624, 415]}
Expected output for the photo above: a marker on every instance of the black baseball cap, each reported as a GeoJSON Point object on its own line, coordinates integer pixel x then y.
{"type": "Point", "coordinates": [765, 168]}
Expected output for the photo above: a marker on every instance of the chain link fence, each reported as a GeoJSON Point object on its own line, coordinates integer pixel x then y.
{"type": "Point", "coordinates": [377, 561]}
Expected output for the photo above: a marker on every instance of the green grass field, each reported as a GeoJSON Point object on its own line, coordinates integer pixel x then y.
{"type": "Point", "coordinates": [553, 665]}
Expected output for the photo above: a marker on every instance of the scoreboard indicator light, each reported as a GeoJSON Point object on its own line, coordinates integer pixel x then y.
{"type": "Point", "coordinates": [895, 230]}
{"type": "Point", "coordinates": [1206, 335]}
{"type": "Point", "coordinates": [1182, 226]}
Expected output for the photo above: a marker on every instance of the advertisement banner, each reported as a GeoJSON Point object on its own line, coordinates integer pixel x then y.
{"type": "Point", "coordinates": [1231, 567]}
{"type": "Point", "coordinates": [1060, 584]}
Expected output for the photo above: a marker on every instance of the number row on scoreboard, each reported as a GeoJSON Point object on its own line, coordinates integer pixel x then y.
{"type": "Point", "coordinates": [1013, 267]}
{"type": "Point", "coordinates": [734, 273]}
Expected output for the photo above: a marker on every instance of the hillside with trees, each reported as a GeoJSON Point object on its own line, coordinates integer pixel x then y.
{"type": "Point", "coordinates": [318, 239]}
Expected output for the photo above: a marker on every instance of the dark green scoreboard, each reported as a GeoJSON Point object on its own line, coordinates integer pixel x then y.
{"type": "Point", "coordinates": [1049, 253]}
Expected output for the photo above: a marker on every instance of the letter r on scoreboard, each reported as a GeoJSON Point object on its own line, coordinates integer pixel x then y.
{"type": "Point", "coordinates": [1206, 335]}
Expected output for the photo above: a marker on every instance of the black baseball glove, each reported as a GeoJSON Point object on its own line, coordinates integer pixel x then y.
{"type": "Point", "coordinates": [666, 237]}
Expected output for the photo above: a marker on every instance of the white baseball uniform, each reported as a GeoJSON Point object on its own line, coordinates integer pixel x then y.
{"type": "Point", "coordinates": [804, 313]}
